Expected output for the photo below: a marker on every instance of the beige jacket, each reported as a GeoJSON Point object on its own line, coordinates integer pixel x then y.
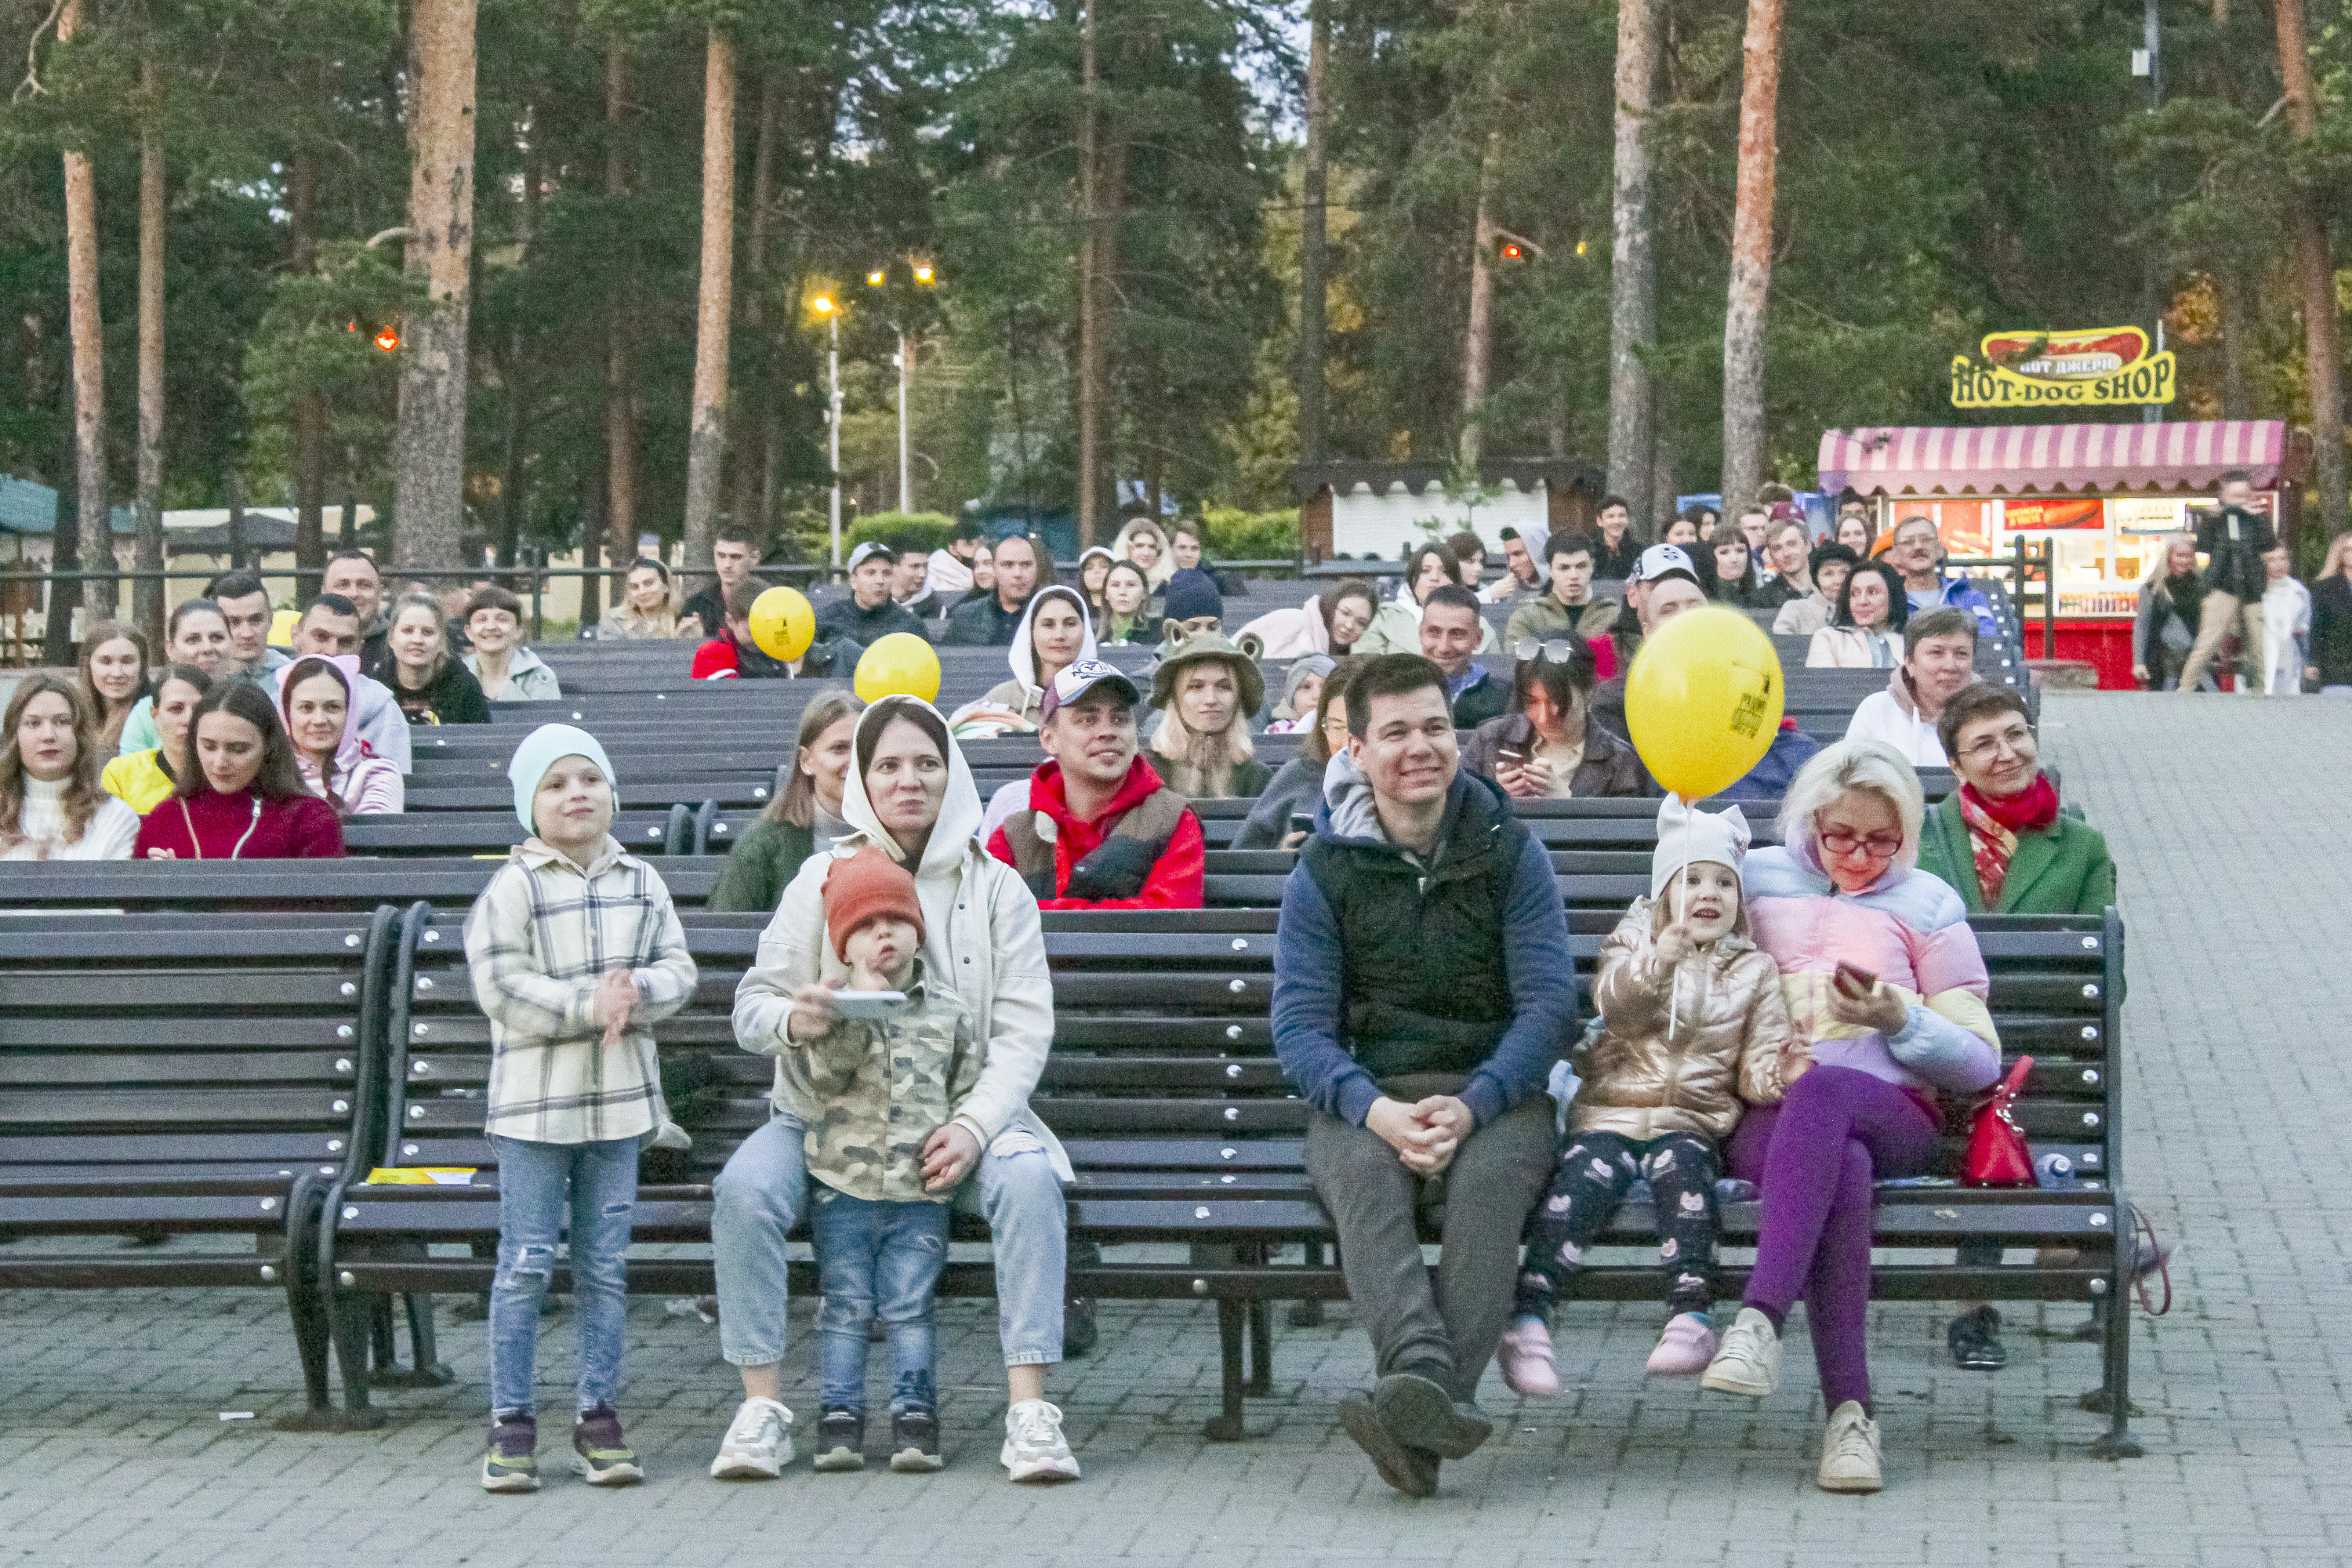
{"type": "Point", "coordinates": [1726, 1044]}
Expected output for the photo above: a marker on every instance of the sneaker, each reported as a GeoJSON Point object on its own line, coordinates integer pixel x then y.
{"type": "Point", "coordinates": [1033, 1448]}
{"type": "Point", "coordinates": [1850, 1451]}
{"type": "Point", "coordinates": [915, 1441]}
{"type": "Point", "coordinates": [512, 1462]}
{"type": "Point", "coordinates": [1975, 1341]}
{"type": "Point", "coordinates": [1412, 1471]}
{"type": "Point", "coordinates": [1685, 1347]}
{"type": "Point", "coordinates": [757, 1444]}
{"type": "Point", "coordinates": [1423, 1415]}
{"type": "Point", "coordinates": [1750, 1359]}
{"type": "Point", "coordinates": [840, 1440]}
{"type": "Point", "coordinates": [600, 1453]}
{"type": "Point", "coordinates": [1525, 1356]}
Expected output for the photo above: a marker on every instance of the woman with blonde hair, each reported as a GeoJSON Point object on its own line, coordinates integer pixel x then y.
{"type": "Point", "coordinates": [52, 806]}
{"type": "Point", "coordinates": [647, 609]}
{"type": "Point", "coordinates": [113, 678]}
{"type": "Point", "coordinates": [1142, 542]}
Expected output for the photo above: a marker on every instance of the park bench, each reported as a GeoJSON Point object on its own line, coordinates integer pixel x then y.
{"type": "Point", "coordinates": [169, 1078]}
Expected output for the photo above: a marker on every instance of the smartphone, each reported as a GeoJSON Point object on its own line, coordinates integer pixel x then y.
{"type": "Point", "coordinates": [1505, 754]}
{"type": "Point", "coordinates": [869, 1005]}
{"type": "Point", "coordinates": [1302, 823]}
{"type": "Point", "coordinates": [1852, 980]}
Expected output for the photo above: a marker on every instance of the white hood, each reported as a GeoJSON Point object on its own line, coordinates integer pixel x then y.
{"type": "Point", "coordinates": [960, 812]}
{"type": "Point", "coordinates": [1023, 655]}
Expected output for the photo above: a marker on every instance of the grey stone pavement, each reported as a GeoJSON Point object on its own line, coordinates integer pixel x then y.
{"type": "Point", "coordinates": [2223, 814]}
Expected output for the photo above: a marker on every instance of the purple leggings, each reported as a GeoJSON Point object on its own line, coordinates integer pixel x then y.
{"type": "Point", "coordinates": [1814, 1156]}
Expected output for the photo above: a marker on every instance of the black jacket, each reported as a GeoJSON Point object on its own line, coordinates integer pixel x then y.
{"type": "Point", "coordinates": [455, 698]}
{"type": "Point", "coordinates": [840, 620]}
{"type": "Point", "coordinates": [1614, 565]}
{"type": "Point", "coordinates": [2331, 630]}
{"type": "Point", "coordinates": [982, 623]}
{"type": "Point", "coordinates": [2233, 541]}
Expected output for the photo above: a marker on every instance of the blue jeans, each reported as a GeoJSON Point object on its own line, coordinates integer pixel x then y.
{"type": "Point", "coordinates": [537, 1183]}
{"type": "Point", "coordinates": [764, 1190]}
{"type": "Point", "coordinates": [875, 1259]}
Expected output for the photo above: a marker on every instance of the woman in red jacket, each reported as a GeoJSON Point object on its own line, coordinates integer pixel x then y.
{"type": "Point", "coordinates": [245, 799]}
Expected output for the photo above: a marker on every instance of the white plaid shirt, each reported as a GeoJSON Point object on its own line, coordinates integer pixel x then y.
{"type": "Point", "coordinates": [539, 936]}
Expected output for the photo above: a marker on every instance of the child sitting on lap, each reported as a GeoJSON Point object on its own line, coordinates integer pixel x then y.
{"type": "Point", "coordinates": [881, 1234]}
{"type": "Point", "coordinates": [1693, 1024]}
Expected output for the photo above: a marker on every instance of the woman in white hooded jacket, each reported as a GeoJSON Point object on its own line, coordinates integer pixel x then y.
{"type": "Point", "coordinates": [911, 792]}
{"type": "Point", "coordinates": [1039, 654]}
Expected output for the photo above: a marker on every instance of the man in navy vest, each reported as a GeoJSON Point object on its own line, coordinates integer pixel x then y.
{"type": "Point", "coordinates": [1422, 989]}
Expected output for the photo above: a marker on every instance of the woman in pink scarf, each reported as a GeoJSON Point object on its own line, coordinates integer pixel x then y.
{"type": "Point", "coordinates": [316, 702]}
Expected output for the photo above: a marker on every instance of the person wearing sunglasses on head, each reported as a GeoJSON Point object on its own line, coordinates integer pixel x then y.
{"type": "Point", "coordinates": [1547, 747]}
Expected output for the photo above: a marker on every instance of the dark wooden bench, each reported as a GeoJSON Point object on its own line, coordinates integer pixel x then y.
{"type": "Point", "coordinates": [170, 1077]}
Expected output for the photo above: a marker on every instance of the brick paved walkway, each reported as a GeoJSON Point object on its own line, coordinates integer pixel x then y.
{"type": "Point", "coordinates": [111, 1450]}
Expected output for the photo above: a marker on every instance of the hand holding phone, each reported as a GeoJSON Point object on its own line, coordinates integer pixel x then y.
{"type": "Point", "coordinates": [1853, 981]}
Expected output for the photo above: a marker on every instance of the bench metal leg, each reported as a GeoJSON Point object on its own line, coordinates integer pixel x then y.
{"type": "Point", "coordinates": [349, 1323]}
{"type": "Point", "coordinates": [1225, 1426]}
{"type": "Point", "coordinates": [424, 1370]}
{"type": "Point", "coordinates": [2114, 1396]}
{"type": "Point", "coordinates": [1309, 1314]}
{"type": "Point", "coordinates": [1261, 1333]}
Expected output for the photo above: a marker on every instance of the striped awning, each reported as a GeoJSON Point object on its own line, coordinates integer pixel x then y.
{"type": "Point", "coordinates": [2014, 460]}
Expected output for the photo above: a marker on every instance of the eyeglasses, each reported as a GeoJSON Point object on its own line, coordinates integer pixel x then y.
{"type": "Point", "coordinates": [1877, 846]}
{"type": "Point", "coordinates": [1559, 652]}
{"type": "Point", "coordinates": [2016, 737]}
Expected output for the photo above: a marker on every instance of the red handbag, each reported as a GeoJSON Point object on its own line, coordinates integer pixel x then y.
{"type": "Point", "coordinates": [1998, 1155]}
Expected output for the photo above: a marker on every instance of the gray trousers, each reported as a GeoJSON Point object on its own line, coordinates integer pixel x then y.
{"type": "Point", "coordinates": [1496, 1177]}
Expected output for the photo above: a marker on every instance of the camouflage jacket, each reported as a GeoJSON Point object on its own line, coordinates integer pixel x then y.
{"type": "Point", "coordinates": [882, 1088]}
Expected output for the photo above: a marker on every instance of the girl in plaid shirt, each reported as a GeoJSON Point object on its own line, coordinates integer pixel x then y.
{"type": "Point", "coordinates": [574, 950]}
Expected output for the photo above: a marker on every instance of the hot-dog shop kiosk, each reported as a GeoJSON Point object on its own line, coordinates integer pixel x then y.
{"type": "Point", "coordinates": [2102, 496]}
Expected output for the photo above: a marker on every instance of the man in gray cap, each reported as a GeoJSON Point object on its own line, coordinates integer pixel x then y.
{"type": "Point", "coordinates": [868, 614]}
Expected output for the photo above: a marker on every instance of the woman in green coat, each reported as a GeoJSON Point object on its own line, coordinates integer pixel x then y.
{"type": "Point", "coordinates": [2002, 843]}
{"type": "Point", "coordinates": [804, 820]}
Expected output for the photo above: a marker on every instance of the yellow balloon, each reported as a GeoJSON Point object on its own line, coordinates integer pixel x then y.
{"type": "Point", "coordinates": [901, 665]}
{"type": "Point", "coordinates": [783, 625]}
{"type": "Point", "coordinates": [1703, 700]}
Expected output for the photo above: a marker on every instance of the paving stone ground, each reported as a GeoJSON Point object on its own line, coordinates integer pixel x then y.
{"type": "Point", "coordinates": [2224, 816]}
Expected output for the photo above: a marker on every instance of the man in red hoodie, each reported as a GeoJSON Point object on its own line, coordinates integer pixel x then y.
{"type": "Point", "coordinates": [1101, 832]}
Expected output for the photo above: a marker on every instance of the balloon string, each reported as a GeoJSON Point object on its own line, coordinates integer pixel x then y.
{"type": "Point", "coordinates": [1674, 975]}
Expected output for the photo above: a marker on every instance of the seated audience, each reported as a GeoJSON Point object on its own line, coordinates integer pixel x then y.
{"type": "Point", "coordinates": [1330, 622]}
{"type": "Point", "coordinates": [112, 679]}
{"type": "Point", "coordinates": [644, 610]}
{"type": "Point", "coordinates": [195, 636]}
{"type": "Point", "coordinates": [506, 668]}
{"type": "Point", "coordinates": [1830, 565]}
{"type": "Point", "coordinates": [245, 798]}
{"type": "Point", "coordinates": [1302, 689]}
{"type": "Point", "coordinates": [1205, 688]}
{"type": "Point", "coordinates": [1125, 594]}
{"type": "Point", "coordinates": [804, 819]}
{"type": "Point", "coordinates": [1548, 747]}
{"type": "Point", "coordinates": [141, 779]}
{"type": "Point", "coordinates": [1451, 631]}
{"type": "Point", "coordinates": [733, 654]}
{"type": "Point", "coordinates": [987, 618]}
{"type": "Point", "coordinates": [52, 806]}
{"type": "Point", "coordinates": [1866, 631]}
{"type": "Point", "coordinates": [867, 612]}
{"type": "Point", "coordinates": [424, 677]}
{"type": "Point", "coordinates": [1296, 786]}
{"type": "Point", "coordinates": [1055, 632]}
{"type": "Point", "coordinates": [315, 699]}
{"type": "Point", "coordinates": [1939, 657]}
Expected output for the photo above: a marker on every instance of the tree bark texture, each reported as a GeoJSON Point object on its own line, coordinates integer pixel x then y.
{"type": "Point", "coordinates": [1094, 350]}
{"type": "Point", "coordinates": [1633, 269]}
{"type": "Point", "coordinates": [89, 359]}
{"type": "Point", "coordinates": [429, 447]}
{"type": "Point", "coordinates": [706, 448]}
{"type": "Point", "coordinates": [513, 501]}
{"type": "Point", "coordinates": [2316, 269]}
{"type": "Point", "coordinates": [1312, 255]}
{"type": "Point", "coordinates": [1751, 256]}
{"type": "Point", "coordinates": [310, 402]}
{"type": "Point", "coordinates": [748, 468]}
{"type": "Point", "coordinates": [620, 368]}
{"type": "Point", "coordinates": [147, 595]}
{"type": "Point", "coordinates": [1478, 339]}
{"type": "Point", "coordinates": [2230, 295]}
{"type": "Point", "coordinates": [65, 541]}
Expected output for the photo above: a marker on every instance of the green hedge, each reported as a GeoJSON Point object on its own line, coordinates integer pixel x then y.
{"type": "Point", "coordinates": [929, 529]}
{"type": "Point", "coordinates": [1236, 535]}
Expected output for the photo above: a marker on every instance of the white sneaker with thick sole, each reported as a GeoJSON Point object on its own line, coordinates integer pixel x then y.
{"type": "Point", "coordinates": [757, 1444]}
{"type": "Point", "coordinates": [1850, 1451]}
{"type": "Point", "coordinates": [1034, 1447]}
{"type": "Point", "coordinates": [1748, 1361]}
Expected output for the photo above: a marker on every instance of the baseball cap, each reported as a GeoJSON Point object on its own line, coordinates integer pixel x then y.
{"type": "Point", "coordinates": [1081, 677]}
{"type": "Point", "coordinates": [867, 551]}
{"type": "Point", "coordinates": [1662, 561]}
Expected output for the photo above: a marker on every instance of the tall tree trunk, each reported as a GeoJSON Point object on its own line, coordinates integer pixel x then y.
{"type": "Point", "coordinates": [706, 449]}
{"type": "Point", "coordinates": [620, 492]}
{"type": "Point", "coordinates": [310, 402]}
{"type": "Point", "coordinates": [513, 503]}
{"type": "Point", "coordinates": [429, 448]}
{"type": "Point", "coordinates": [1094, 348]}
{"type": "Point", "coordinates": [1633, 269]}
{"type": "Point", "coordinates": [1313, 257]}
{"type": "Point", "coordinates": [64, 538]}
{"type": "Point", "coordinates": [2316, 271]}
{"type": "Point", "coordinates": [147, 595]}
{"type": "Point", "coordinates": [88, 358]}
{"type": "Point", "coordinates": [750, 467]}
{"type": "Point", "coordinates": [2230, 293]}
{"type": "Point", "coordinates": [1478, 342]}
{"type": "Point", "coordinates": [1751, 256]}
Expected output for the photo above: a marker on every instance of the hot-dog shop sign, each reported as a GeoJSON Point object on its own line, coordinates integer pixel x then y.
{"type": "Point", "coordinates": [2027, 370]}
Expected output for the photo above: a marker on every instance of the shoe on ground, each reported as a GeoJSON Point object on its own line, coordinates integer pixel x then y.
{"type": "Point", "coordinates": [1524, 1356]}
{"type": "Point", "coordinates": [1975, 1341]}
{"type": "Point", "coordinates": [915, 1441]}
{"type": "Point", "coordinates": [1685, 1347]}
{"type": "Point", "coordinates": [1850, 1451]}
{"type": "Point", "coordinates": [840, 1440]}
{"type": "Point", "coordinates": [512, 1462]}
{"type": "Point", "coordinates": [1749, 1360]}
{"type": "Point", "coordinates": [1035, 1449]}
{"type": "Point", "coordinates": [1412, 1471]}
{"type": "Point", "coordinates": [1424, 1414]}
{"type": "Point", "coordinates": [757, 1444]}
{"type": "Point", "coordinates": [599, 1452]}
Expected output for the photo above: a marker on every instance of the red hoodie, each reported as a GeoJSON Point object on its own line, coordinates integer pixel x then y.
{"type": "Point", "coordinates": [214, 827]}
{"type": "Point", "coordinates": [1175, 879]}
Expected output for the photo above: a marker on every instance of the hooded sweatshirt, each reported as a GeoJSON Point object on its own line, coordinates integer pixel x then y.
{"type": "Point", "coordinates": [1291, 634]}
{"type": "Point", "coordinates": [364, 785]}
{"type": "Point", "coordinates": [982, 938]}
{"type": "Point", "coordinates": [240, 826]}
{"type": "Point", "coordinates": [1025, 694]}
{"type": "Point", "coordinates": [1153, 871]}
{"type": "Point", "coordinates": [1893, 716]}
{"type": "Point", "coordinates": [381, 724]}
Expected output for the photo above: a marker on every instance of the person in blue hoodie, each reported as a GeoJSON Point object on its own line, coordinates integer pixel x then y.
{"type": "Point", "coordinates": [1423, 990]}
{"type": "Point", "coordinates": [1917, 553]}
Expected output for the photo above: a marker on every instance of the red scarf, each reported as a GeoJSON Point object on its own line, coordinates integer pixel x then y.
{"type": "Point", "coordinates": [1994, 824]}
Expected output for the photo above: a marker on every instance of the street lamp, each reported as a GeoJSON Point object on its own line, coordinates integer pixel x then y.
{"type": "Point", "coordinates": [825, 308]}
{"type": "Point", "coordinates": [924, 276]}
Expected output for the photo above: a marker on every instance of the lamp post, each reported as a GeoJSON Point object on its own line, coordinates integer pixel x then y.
{"type": "Point", "coordinates": [828, 308]}
{"type": "Point", "coordinates": [922, 274]}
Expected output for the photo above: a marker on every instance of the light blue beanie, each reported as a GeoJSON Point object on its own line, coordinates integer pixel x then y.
{"type": "Point", "coordinates": [541, 749]}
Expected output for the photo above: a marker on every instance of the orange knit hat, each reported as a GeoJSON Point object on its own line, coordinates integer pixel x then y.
{"type": "Point", "coordinates": [864, 885]}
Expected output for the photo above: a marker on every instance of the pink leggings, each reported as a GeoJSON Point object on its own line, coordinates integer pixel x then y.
{"type": "Point", "coordinates": [1814, 1156]}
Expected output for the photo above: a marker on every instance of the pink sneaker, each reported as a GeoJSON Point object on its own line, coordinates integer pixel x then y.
{"type": "Point", "coordinates": [1526, 1357]}
{"type": "Point", "coordinates": [1685, 1347]}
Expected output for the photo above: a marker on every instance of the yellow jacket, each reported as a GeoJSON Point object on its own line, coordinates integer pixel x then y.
{"type": "Point", "coordinates": [138, 780]}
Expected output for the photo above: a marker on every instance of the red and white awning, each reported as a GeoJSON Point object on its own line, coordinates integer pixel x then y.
{"type": "Point", "coordinates": [2013, 459]}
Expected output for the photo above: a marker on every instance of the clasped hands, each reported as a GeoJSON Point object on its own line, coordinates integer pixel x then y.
{"type": "Point", "coordinates": [1426, 1133]}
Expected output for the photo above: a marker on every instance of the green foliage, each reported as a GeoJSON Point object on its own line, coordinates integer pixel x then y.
{"type": "Point", "coordinates": [1236, 535]}
{"type": "Point", "coordinates": [924, 530]}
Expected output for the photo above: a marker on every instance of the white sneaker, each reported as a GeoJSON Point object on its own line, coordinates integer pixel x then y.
{"type": "Point", "coordinates": [1850, 1451]}
{"type": "Point", "coordinates": [759, 1443]}
{"type": "Point", "coordinates": [1750, 1359]}
{"type": "Point", "coordinates": [1034, 1448]}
